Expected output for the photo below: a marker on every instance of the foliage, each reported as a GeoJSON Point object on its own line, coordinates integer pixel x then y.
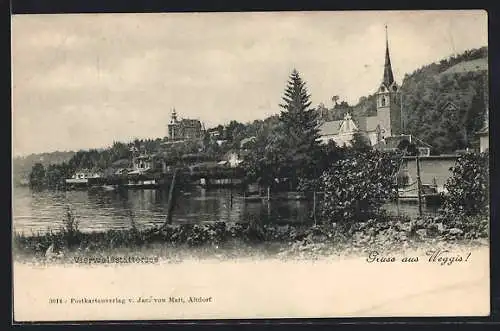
{"type": "Point", "coordinates": [56, 174]}
{"type": "Point", "coordinates": [328, 155]}
{"type": "Point", "coordinates": [468, 187]}
{"type": "Point", "coordinates": [261, 163]}
{"type": "Point", "coordinates": [22, 165]}
{"type": "Point", "coordinates": [37, 176]}
{"type": "Point", "coordinates": [357, 185]}
{"type": "Point", "coordinates": [380, 232]}
{"type": "Point", "coordinates": [69, 229]}
{"type": "Point", "coordinates": [297, 143]}
{"type": "Point", "coordinates": [183, 152]}
{"type": "Point", "coordinates": [427, 91]}
{"type": "Point", "coordinates": [53, 175]}
{"type": "Point", "coordinates": [360, 142]}
{"type": "Point", "coordinates": [425, 94]}
{"type": "Point", "coordinates": [287, 150]}
{"type": "Point", "coordinates": [441, 226]}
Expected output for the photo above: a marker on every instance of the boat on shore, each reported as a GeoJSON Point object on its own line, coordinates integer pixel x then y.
{"type": "Point", "coordinates": [430, 194]}
{"type": "Point", "coordinates": [82, 179]}
{"type": "Point", "coordinates": [108, 188]}
{"type": "Point", "coordinates": [142, 184]}
{"type": "Point", "coordinates": [220, 182]}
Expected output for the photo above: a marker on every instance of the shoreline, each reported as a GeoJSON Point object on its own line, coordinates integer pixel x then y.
{"type": "Point", "coordinates": [234, 240]}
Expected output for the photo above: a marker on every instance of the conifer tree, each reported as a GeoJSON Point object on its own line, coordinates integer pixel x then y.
{"type": "Point", "coordinates": [299, 130]}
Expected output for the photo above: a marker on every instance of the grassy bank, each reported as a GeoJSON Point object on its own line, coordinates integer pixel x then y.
{"type": "Point", "coordinates": [251, 239]}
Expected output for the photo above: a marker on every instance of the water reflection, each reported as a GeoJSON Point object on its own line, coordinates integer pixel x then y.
{"type": "Point", "coordinates": [99, 210]}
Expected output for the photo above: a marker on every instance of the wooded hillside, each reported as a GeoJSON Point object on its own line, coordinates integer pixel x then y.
{"type": "Point", "coordinates": [426, 94]}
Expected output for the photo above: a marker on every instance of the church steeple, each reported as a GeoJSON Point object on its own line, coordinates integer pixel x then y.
{"type": "Point", "coordinates": [388, 76]}
{"type": "Point", "coordinates": [388, 111]}
{"type": "Point", "coordinates": [173, 116]}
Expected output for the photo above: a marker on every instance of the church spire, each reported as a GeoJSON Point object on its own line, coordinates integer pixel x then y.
{"type": "Point", "coordinates": [173, 116]}
{"type": "Point", "coordinates": [388, 76]}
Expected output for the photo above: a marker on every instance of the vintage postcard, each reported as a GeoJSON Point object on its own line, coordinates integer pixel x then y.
{"type": "Point", "coordinates": [174, 166]}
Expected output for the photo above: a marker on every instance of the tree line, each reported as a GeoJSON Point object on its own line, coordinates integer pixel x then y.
{"type": "Point", "coordinates": [285, 146]}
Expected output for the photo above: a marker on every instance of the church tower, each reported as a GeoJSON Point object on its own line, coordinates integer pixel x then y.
{"type": "Point", "coordinates": [388, 110]}
{"type": "Point", "coordinates": [173, 126]}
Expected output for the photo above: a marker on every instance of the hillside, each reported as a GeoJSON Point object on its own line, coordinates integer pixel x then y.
{"type": "Point", "coordinates": [467, 66]}
{"type": "Point", "coordinates": [21, 165]}
{"type": "Point", "coordinates": [426, 94]}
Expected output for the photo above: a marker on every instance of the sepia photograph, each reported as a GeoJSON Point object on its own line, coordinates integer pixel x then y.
{"type": "Point", "coordinates": [246, 165]}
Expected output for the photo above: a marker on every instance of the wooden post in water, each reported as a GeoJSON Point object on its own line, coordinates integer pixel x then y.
{"type": "Point", "coordinates": [314, 206]}
{"type": "Point", "coordinates": [231, 189]}
{"type": "Point", "coordinates": [171, 197]}
{"type": "Point", "coordinates": [419, 186]}
{"type": "Point", "coordinates": [397, 195]}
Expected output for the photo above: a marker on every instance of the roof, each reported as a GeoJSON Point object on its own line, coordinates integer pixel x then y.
{"type": "Point", "coordinates": [394, 141]}
{"type": "Point", "coordinates": [484, 131]}
{"type": "Point", "coordinates": [121, 163]}
{"type": "Point", "coordinates": [419, 142]}
{"type": "Point", "coordinates": [144, 157]}
{"type": "Point", "coordinates": [172, 142]}
{"type": "Point", "coordinates": [190, 122]}
{"type": "Point", "coordinates": [330, 128]}
{"type": "Point", "coordinates": [450, 106]}
{"type": "Point", "coordinates": [247, 140]}
{"type": "Point", "coordinates": [210, 164]}
{"type": "Point", "coordinates": [140, 171]}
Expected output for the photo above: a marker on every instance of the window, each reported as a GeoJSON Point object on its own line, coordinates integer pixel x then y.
{"type": "Point", "coordinates": [382, 102]}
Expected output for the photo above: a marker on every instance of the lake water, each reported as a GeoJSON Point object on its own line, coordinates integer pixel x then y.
{"type": "Point", "coordinates": [98, 210]}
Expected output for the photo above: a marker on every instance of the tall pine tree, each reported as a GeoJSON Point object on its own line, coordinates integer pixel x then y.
{"type": "Point", "coordinates": [298, 131]}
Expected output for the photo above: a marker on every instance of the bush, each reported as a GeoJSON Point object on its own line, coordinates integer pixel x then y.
{"type": "Point", "coordinates": [380, 232]}
{"type": "Point", "coordinates": [356, 186]}
{"type": "Point", "coordinates": [69, 230]}
{"type": "Point", "coordinates": [468, 187]}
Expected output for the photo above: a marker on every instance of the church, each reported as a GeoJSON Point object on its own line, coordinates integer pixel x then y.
{"type": "Point", "coordinates": [183, 129]}
{"type": "Point", "coordinates": [378, 128]}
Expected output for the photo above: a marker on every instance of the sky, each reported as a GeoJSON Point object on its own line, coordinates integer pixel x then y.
{"type": "Point", "coordinates": [85, 80]}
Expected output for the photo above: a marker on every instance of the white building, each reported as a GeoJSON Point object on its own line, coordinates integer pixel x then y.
{"type": "Point", "coordinates": [341, 132]}
{"type": "Point", "coordinates": [484, 139]}
{"type": "Point", "coordinates": [385, 123]}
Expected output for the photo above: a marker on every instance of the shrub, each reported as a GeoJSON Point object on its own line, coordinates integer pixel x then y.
{"type": "Point", "coordinates": [198, 235]}
{"type": "Point", "coordinates": [358, 185]}
{"type": "Point", "coordinates": [69, 230]}
{"type": "Point", "coordinates": [468, 187]}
